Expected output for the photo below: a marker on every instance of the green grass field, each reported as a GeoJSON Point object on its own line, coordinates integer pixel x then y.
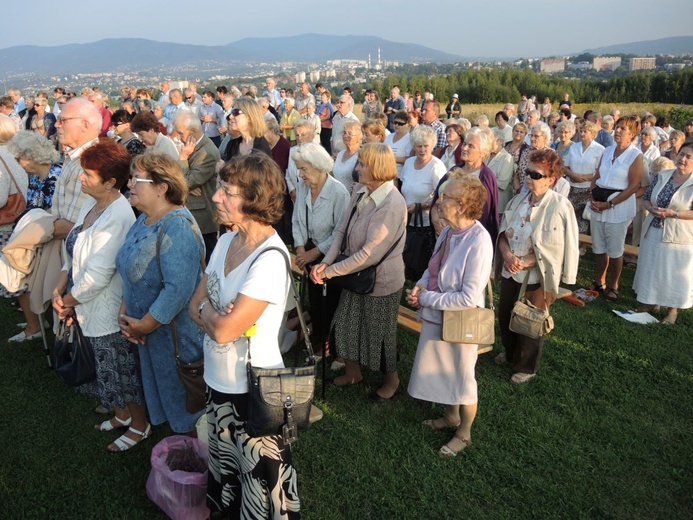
{"type": "Point", "coordinates": [603, 432]}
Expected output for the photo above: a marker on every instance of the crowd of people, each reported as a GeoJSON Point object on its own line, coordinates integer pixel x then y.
{"type": "Point", "coordinates": [155, 217]}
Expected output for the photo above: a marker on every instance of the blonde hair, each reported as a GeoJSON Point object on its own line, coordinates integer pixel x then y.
{"type": "Point", "coordinates": [380, 159]}
{"type": "Point", "coordinates": [252, 109]}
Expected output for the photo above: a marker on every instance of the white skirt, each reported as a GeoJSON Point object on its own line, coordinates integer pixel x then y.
{"type": "Point", "coordinates": [663, 276]}
{"type": "Point", "coordinates": [443, 372]}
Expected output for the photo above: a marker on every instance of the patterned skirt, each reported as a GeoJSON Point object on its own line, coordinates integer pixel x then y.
{"type": "Point", "coordinates": [249, 478]}
{"type": "Point", "coordinates": [118, 380]}
{"type": "Point", "coordinates": [580, 198]}
{"type": "Point", "coordinates": [364, 329]}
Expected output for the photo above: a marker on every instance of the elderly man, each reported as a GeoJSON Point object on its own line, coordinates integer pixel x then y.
{"type": "Point", "coordinates": [58, 92]}
{"type": "Point", "coordinates": [303, 98]}
{"type": "Point", "coordinates": [615, 114]}
{"type": "Point", "coordinates": [344, 114]}
{"type": "Point", "coordinates": [165, 89]}
{"type": "Point", "coordinates": [533, 117]}
{"type": "Point", "coordinates": [7, 108]}
{"type": "Point", "coordinates": [271, 91]}
{"type": "Point", "coordinates": [392, 105]}
{"type": "Point", "coordinates": [19, 103]}
{"type": "Point", "coordinates": [604, 137]}
{"type": "Point", "coordinates": [198, 159]}
{"type": "Point", "coordinates": [509, 110]}
{"type": "Point", "coordinates": [97, 100]}
{"type": "Point", "coordinates": [177, 104]}
{"type": "Point", "coordinates": [191, 101]}
{"type": "Point", "coordinates": [430, 114]}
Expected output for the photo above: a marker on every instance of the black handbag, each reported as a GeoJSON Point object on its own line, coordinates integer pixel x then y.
{"type": "Point", "coordinates": [419, 245]}
{"type": "Point", "coordinates": [73, 355]}
{"type": "Point", "coordinates": [602, 194]}
{"type": "Point", "coordinates": [363, 281]}
{"type": "Point", "coordinates": [192, 374]}
{"type": "Point", "coordinates": [279, 399]}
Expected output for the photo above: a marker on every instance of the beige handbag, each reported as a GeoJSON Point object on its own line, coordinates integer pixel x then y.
{"type": "Point", "coordinates": [528, 319]}
{"type": "Point", "coordinates": [474, 326]}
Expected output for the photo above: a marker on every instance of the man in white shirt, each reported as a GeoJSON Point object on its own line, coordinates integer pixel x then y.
{"type": "Point", "coordinates": [192, 102]}
{"type": "Point", "coordinates": [165, 89]}
{"type": "Point", "coordinates": [273, 93]}
{"type": "Point", "coordinates": [509, 110]}
{"type": "Point", "coordinates": [344, 113]}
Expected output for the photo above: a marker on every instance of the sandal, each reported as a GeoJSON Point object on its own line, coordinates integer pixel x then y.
{"type": "Point", "coordinates": [107, 425]}
{"type": "Point", "coordinates": [520, 377]}
{"type": "Point", "coordinates": [448, 452]}
{"type": "Point", "coordinates": [608, 295]}
{"type": "Point", "coordinates": [439, 424]}
{"type": "Point", "coordinates": [670, 318]}
{"type": "Point", "coordinates": [124, 443]}
{"type": "Point", "coordinates": [600, 288]}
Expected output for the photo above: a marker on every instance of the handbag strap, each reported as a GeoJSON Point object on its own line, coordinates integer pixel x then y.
{"type": "Point", "coordinates": [311, 354]}
{"type": "Point", "coordinates": [159, 240]}
{"type": "Point", "coordinates": [12, 177]}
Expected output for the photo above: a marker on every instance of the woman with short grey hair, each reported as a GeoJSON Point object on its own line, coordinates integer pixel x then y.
{"type": "Point", "coordinates": [320, 204]}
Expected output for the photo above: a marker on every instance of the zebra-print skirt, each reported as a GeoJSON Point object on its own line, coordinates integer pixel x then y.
{"type": "Point", "coordinates": [249, 478]}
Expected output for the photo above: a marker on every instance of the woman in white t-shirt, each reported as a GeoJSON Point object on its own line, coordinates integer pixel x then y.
{"type": "Point", "coordinates": [244, 288]}
{"type": "Point", "coordinates": [400, 140]}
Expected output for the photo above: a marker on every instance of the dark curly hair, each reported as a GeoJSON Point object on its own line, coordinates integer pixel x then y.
{"type": "Point", "coordinates": [261, 184]}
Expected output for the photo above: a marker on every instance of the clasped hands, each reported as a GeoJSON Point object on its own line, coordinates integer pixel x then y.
{"type": "Point", "coordinates": [514, 264]}
{"type": "Point", "coordinates": [412, 296]}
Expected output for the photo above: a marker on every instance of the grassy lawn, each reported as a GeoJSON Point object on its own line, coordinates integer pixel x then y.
{"type": "Point", "coordinates": [604, 431]}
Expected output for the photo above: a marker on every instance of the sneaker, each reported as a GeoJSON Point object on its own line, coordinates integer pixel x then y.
{"type": "Point", "coordinates": [22, 337]}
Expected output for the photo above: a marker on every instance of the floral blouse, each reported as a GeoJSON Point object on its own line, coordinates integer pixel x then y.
{"type": "Point", "coordinates": [40, 192]}
{"type": "Point", "coordinates": [663, 199]}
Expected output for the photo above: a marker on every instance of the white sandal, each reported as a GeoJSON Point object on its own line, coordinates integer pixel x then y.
{"type": "Point", "coordinates": [124, 443]}
{"type": "Point", "coordinates": [107, 425]}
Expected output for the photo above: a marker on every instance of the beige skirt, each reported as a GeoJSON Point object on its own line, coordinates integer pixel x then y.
{"type": "Point", "coordinates": [443, 372]}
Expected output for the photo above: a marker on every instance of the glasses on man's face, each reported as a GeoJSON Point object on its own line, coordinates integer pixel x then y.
{"type": "Point", "coordinates": [400, 123]}
{"type": "Point", "coordinates": [134, 181]}
{"type": "Point", "coordinates": [62, 120]}
{"type": "Point", "coordinates": [535, 175]}
{"type": "Point", "coordinates": [189, 98]}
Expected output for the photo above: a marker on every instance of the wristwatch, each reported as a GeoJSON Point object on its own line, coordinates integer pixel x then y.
{"type": "Point", "coordinates": [611, 204]}
{"type": "Point", "coordinates": [202, 306]}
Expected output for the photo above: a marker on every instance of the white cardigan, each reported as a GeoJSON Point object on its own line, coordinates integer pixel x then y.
{"type": "Point", "coordinates": [97, 285]}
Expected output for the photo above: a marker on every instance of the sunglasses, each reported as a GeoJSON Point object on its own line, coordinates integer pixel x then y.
{"type": "Point", "coordinates": [400, 123]}
{"type": "Point", "coordinates": [236, 112]}
{"type": "Point", "coordinates": [535, 175]}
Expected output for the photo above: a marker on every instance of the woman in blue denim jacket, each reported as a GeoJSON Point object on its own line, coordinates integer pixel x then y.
{"type": "Point", "coordinates": [152, 299]}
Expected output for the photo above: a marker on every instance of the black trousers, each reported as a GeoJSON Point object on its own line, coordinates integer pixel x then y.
{"type": "Point", "coordinates": [523, 353]}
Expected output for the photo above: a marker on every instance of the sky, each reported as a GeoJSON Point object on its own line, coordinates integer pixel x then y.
{"type": "Point", "coordinates": [498, 28]}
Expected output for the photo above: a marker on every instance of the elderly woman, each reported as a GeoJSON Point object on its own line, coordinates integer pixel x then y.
{"type": "Point", "coordinates": [613, 204]}
{"type": "Point", "coordinates": [400, 140]}
{"type": "Point", "coordinates": [518, 149]}
{"type": "Point", "coordinates": [246, 121]}
{"type": "Point", "coordinates": [345, 162]}
{"type": "Point", "coordinates": [43, 121]}
{"type": "Point", "coordinates": [314, 120]}
{"type": "Point", "coordinates": [505, 129]}
{"type": "Point", "coordinates": [160, 111]}
{"type": "Point", "coordinates": [419, 177]}
{"type": "Point", "coordinates": [364, 328]}
{"type": "Point", "coordinates": [538, 242]}
{"type": "Point", "coordinates": [320, 204]}
{"type": "Point", "coordinates": [650, 151]}
{"type": "Point", "coordinates": [663, 277]}
{"type": "Point", "coordinates": [39, 158]}
{"type": "Point", "coordinates": [565, 130]}
{"type": "Point", "coordinates": [147, 127]}
{"type": "Point", "coordinates": [244, 288]}
{"type": "Point", "coordinates": [477, 145]}
{"type": "Point", "coordinates": [13, 179]}
{"type": "Point", "coordinates": [500, 162]}
{"type": "Point", "coordinates": [289, 119]}
{"type": "Point", "coordinates": [158, 286]}
{"type": "Point", "coordinates": [676, 139]}
{"type": "Point", "coordinates": [456, 279]}
{"type": "Point", "coordinates": [580, 166]}
{"type": "Point", "coordinates": [452, 154]}
{"type": "Point", "coordinates": [373, 131]}
{"type": "Point", "coordinates": [120, 125]}
{"type": "Point", "coordinates": [90, 287]}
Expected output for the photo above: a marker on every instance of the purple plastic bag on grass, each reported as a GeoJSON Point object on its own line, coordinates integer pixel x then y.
{"type": "Point", "coordinates": [180, 494]}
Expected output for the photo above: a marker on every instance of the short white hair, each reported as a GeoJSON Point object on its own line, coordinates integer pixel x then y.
{"type": "Point", "coordinates": [544, 129]}
{"type": "Point", "coordinates": [315, 155]}
{"type": "Point", "coordinates": [423, 134]}
{"type": "Point", "coordinates": [485, 136]}
{"type": "Point", "coordinates": [31, 146]}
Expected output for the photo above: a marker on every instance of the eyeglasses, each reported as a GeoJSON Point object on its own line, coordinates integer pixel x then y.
{"type": "Point", "coordinates": [134, 181]}
{"type": "Point", "coordinates": [189, 98]}
{"type": "Point", "coordinates": [62, 120]}
{"type": "Point", "coordinates": [400, 123]}
{"type": "Point", "coordinates": [535, 175]}
{"type": "Point", "coordinates": [225, 188]}
{"type": "Point", "coordinates": [444, 197]}
{"type": "Point", "coordinates": [236, 112]}
{"type": "Point", "coordinates": [118, 123]}
{"type": "Point", "coordinates": [535, 136]}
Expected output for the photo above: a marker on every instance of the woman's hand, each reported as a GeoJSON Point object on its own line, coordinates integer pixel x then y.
{"type": "Point", "coordinates": [411, 208]}
{"type": "Point", "coordinates": [512, 263]}
{"type": "Point", "coordinates": [303, 258]}
{"type": "Point", "coordinates": [413, 296]}
{"type": "Point", "coordinates": [131, 329]}
{"type": "Point", "coordinates": [599, 207]}
{"type": "Point", "coordinates": [61, 309]}
{"type": "Point", "coordinates": [317, 275]}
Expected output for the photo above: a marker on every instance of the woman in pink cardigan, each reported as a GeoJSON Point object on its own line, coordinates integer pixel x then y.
{"type": "Point", "coordinates": [457, 275]}
{"type": "Point", "coordinates": [364, 328]}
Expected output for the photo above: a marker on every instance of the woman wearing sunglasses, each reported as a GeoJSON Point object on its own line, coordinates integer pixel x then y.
{"type": "Point", "coordinates": [247, 128]}
{"type": "Point", "coordinates": [539, 236]}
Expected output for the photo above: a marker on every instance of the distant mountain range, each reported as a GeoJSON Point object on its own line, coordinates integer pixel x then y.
{"type": "Point", "coordinates": [672, 45]}
{"type": "Point", "coordinates": [138, 55]}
